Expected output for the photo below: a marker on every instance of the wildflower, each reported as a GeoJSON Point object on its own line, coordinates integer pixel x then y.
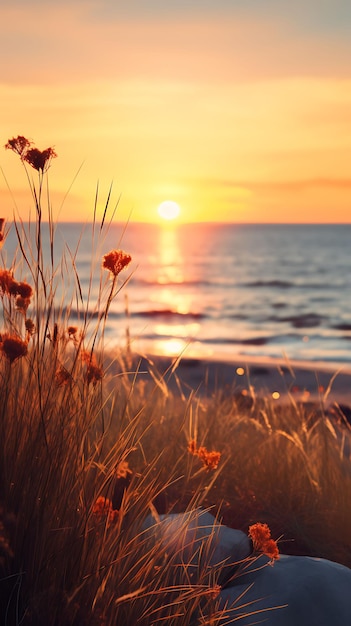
{"type": "Point", "coordinates": [123, 470]}
{"type": "Point", "coordinates": [24, 290]}
{"type": "Point", "coordinates": [104, 511]}
{"type": "Point", "coordinates": [13, 347]}
{"type": "Point", "coordinates": [30, 327]}
{"type": "Point", "coordinates": [72, 331]}
{"type": "Point", "coordinates": [192, 447]}
{"type": "Point", "coordinates": [11, 287]}
{"type": "Point", "coordinates": [6, 282]}
{"type": "Point", "coordinates": [39, 160]}
{"type": "Point", "coordinates": [210, 460]}
{"type": "Point", "coordinates": [22, 304]}
{"type": "Point", "coordinates": [260, 535]}
{"type": "Point", "coordinates": [94, 373]}
{"type": "Point", "coordinates": [62, 376]}
{"type": "Point", "coordinates": [19, 144]}
{"type": "Point", "coordinates": [115, 261]}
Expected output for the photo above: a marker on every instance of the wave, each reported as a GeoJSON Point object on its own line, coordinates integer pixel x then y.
{"type": "Point", "coordinates": [342, 326]}
{"type": "Point", "coordinates": [306, 320]}
{"type": "Point", "coordinates": [168, 313]}
{"type": "Point", "coordinates": [281, 284]}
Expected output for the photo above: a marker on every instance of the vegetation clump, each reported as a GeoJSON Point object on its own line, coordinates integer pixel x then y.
{"type": "Point", "coordinates": [88, 451]}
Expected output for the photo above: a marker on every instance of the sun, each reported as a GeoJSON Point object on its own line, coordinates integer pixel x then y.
{"type": "Point", "coordinates": [168, 210]}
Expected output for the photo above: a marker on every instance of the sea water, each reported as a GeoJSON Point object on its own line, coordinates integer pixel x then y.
{"type": "Point", "coordinates": [219, 290]}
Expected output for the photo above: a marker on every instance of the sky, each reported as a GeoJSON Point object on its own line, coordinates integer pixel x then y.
{"type": "Point", "coordinates": [238, 110]}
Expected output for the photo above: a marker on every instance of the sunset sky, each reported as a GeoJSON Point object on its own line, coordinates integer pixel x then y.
{"type": "Point", "coordinates": [238, 110]}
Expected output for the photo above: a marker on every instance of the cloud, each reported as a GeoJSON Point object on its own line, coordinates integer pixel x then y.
{"type": "Point", "coordinates": [73, 42]}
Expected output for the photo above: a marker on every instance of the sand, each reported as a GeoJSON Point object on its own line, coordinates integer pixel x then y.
{"type": "Point", "coordinates": [278, 380]}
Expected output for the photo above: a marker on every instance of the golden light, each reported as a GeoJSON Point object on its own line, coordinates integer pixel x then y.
{"type": "Point", "coordinates": [168, 210]}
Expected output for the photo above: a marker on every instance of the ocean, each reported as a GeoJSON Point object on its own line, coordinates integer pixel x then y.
{"type": "Point", "coordinates": [222, 290]}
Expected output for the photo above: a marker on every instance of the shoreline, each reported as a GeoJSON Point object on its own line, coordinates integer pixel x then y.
{"type": "Point", "coordinates": [280, 380]}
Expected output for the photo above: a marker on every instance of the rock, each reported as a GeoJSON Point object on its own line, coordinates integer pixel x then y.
{"type": "Point", "coordinates": [295, 591]}
{"type": "Point", "coordinates": [184, 536]}
{"type": "Point", "coordinates": [316, 592]}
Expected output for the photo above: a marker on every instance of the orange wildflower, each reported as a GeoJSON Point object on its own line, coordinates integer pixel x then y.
{"type": "Point", "coordinates": [115, 261]}
{"type": "Point", "coordinates": [123, 470]}
{"type": "Point", "coordinates": [94, 373]}
{"type": "Point", "coordinates": [24, 290]}
{"type": "Point", "coordinates": [12, 347]}
{"type": "Point", "coordinates": [104, 511]}
{"type": "Point", "coordinates": [19, 144]}
{"type": "Point", "coordinates": [39, 159]}
{"type": "Point", "coordinates": [260, 535]}
{"type": "Point", "coordinates": [62, 376]}
{"type": "Point", "coordinates": [22, 304]}
{"type": "Point", "coordinates": [192, 448]}
{"type": "Point", "coordinates": [11, 287]}
{"type": "Point", "coordinates": [30, 327]}
{"type": "Point", "coordinates": [6, 282]}
{"type": "Point", "coordinates": [210, 460]}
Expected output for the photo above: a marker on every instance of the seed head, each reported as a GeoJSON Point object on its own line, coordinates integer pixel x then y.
{"type": "Point", "coordinates": [13, 347]}
{"type": "Point", "coordinates": [38, 159]}
{"type": "Point", "coordinates": [19, 144]}
{"type": "Point", "coordinates": [115, 261]}
{"type": "Point", "coordinates": [94, 373]}
{"type": "Point", "coordinates": [62, 376]}
{"type": "Point", "coordinates": [22, 304]}
{"type": "Point", "coordinates": [6, 282]}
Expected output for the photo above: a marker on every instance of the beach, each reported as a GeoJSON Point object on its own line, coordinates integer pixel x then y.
{"type": "Point", "coordinates": [280, 381]}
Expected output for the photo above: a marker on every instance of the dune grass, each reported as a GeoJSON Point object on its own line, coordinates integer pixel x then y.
{"type": "Point", "coordinates": [91, 444]}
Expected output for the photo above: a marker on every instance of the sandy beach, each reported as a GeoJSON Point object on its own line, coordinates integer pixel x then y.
{"type": "Point", "coordinates": [278, 380]}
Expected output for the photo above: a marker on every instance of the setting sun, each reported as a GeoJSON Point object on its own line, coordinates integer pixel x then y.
{"type": "Point", "coordinates": [168, 210]}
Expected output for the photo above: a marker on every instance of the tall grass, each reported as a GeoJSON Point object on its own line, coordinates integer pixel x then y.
{"type": "Point", "coordinates": [91, 444]}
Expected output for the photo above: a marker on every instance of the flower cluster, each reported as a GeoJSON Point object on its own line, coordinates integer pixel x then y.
{"type": "Point", "coordinates": [38, 159]}
{"type": "Point", "coordinates": [94, 372]}
{"type": "Point", "coordinates": [262, 541]}
{"type": "Point", "coordinates": [12, 347]}
{"type": "Point", "coordinates": [210, 460]}
{"type": "Point", "coordinates": [103, 511]}
{"type": "Point", "coordinates": [21, 291]}
{"type": "Point", "coordinates": [115, 261]}
{"type": "Point", "coordinates": [30, 328]}
{"type": "Point", "coordinates": [123, 469]}
{"type": "Point", "coordinates": [62, 376]}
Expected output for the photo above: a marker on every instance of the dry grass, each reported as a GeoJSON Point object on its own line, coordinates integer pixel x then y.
{"type": "Point", "coordinates": [90, 445]}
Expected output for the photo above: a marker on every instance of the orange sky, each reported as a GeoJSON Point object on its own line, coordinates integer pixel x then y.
{"type": "Point", "coordinates": [238, 111]}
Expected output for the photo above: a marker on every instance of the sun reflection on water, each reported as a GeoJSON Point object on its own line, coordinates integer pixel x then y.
{"type": "Point", "coordinates": [171, 269]}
